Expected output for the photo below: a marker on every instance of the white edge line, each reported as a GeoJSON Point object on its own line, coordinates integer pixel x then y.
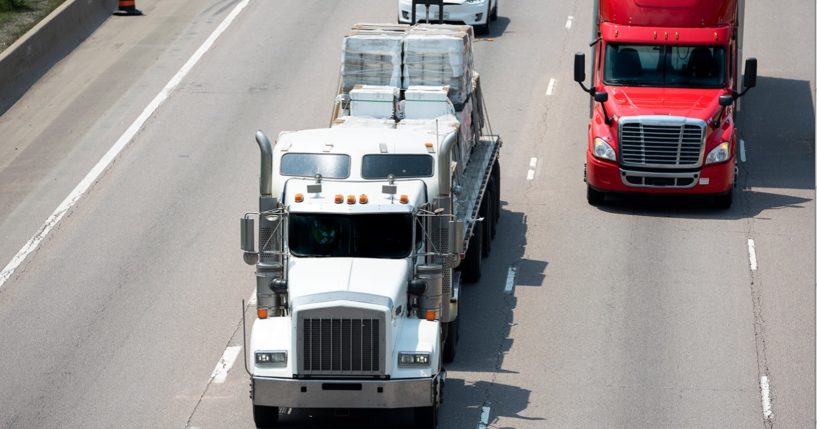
{"type": "Point", "coordinates": [752, 255]}
{"type": "Point", "coordinates": [765, 397]}
{"type": "Point", "coordinates": [224, 364]}
{"type": "Point", "coordinates": [102, 165]}
{"type": "Point", "coordinates": [551, 84]}
{"type": "Point", "coordinates": [484, 417]}
{"type": "Point", "coordinates": [742, 151]}
{"type": "Point", "coordinates": [510, 280]}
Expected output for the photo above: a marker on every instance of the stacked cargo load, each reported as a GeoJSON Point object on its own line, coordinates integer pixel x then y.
{"type": "Point", "coordinates": [437, 55]}
{"type": "Point", "coordinates": [372, 55]}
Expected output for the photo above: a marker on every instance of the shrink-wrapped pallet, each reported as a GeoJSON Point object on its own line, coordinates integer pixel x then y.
{"type": "Point", "coordinates": [439, 55]}
{"type": "Point", "coordinates": [371, 58]}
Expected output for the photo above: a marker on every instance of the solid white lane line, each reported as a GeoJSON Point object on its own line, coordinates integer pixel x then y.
{"type": "Point", "coordinates": [484, 418]}
{"type": "Point", "coordinates": [765, 397]}
{"type": "Point", "coordinates": [510, 280]}
{"type": "Point", "coordinates": [551, 84]}
{"type": "Point", "coordinates": [752, 255]}
{"type": "Point", "coordinates": [742, 151]}
{"type": "Point", "coordinates": [103, 164]}
{"type": "Point", "coordinates": [224, 364]}
{"type": "Point", "coordinates": [569, 23]}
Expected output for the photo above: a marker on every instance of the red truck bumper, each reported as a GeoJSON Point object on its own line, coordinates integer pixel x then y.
{"type": "Point", "coordinates": [610, 177]}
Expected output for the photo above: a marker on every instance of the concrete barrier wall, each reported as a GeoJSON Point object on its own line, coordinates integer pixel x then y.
{"type": "Point", "coordinates": [30, 57]}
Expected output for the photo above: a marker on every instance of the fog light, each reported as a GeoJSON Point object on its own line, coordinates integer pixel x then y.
{"type": "Point", "coordinates": [413, 359]}
{"type": "Point", "coordinates": [273, 359]}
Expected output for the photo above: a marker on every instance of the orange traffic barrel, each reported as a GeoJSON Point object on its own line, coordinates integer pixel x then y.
{"type": "Point", "coordinates": [127, 7]}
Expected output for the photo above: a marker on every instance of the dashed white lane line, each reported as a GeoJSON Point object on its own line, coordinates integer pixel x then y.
{"type": "Point", "coordinates": [532, 168]}
{"type": "Point", "coordinates": [485, 417]}
{"type": "Point", "coordinates": [253, 299]}
{"type": "Point", "coordinates": [752, 255]}
{"type": "Point", "coordinates": [742, 151]}
{"type": "Point", "coordinates": [224, 364]}
{"type": "Point", "coordinates": [510, 280]}
{"type": "Point", "coordinates": [551, 84]}
{"type": "Point", "coordinates": [103, 164]}
{"type": "Point", "coordinates": [765, 397]}
{"type": "Point", "coordinates": [569, 23]}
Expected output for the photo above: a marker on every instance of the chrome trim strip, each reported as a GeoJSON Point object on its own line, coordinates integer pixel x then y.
{"type": "Point", "coordinates": [401, 393]}
{"type": "Point", "coordinates": [625, 173]}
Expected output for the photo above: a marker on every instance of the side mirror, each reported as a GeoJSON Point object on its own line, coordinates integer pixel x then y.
{"type": "Point", "coordinates": [578, 67]}
{"type": "Point", "coordinates": [750, 73]}
{"type": "Point", "coordinates": [600, 97]}
{"type": "Point", "coordinates": [248, 240]}
{"type": "Point", "coordinates": [725, 100]}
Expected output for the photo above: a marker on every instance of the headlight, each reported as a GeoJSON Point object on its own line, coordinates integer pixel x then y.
{"type": "Point", "coordinates": [413, 359]}
{"type": "Point", "coordinates": [719, 154]}
{"type": "Point", "coordinates": [602, 149]}
{"type": "Point", "coordinates": [273, 359]}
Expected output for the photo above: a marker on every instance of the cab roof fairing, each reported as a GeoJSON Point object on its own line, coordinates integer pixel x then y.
{"type": "Point", "coordinates": [378, 202]}
{"type": "Point", "coordinates": [356, 142]}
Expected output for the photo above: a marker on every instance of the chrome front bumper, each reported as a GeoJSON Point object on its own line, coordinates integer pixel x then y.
{"type": "Point", "coordinates": [298, 393]}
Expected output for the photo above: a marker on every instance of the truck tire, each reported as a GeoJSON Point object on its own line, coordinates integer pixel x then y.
{"type": "Point", "coordinates": [495, 11]}
{"type": "Point", "coordinates": [484, 29]}
{"type": "Point", "coordinates": [452, 337]}
{"type": "Point", "coordinates": [472, 265]}
{"type": "Point", "coordinates": [594, 197]}
{"type": "Point", "coordinates": [486, 212]}
{"type": "Point", "coordinates": [724, 202]}
{"type": "Point", "coordinates": [265, 417]}
{"type": "Point", "coordinates": [426, 417]}
{"type": "Point", "coordinates": [495, 209]}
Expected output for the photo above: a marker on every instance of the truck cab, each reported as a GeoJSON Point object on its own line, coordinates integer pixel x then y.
{"type": "Point", "coordinates": [664, 81]}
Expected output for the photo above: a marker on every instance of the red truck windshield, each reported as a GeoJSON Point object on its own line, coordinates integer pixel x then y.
{"type": "Point", "coordinates": [665, 66]}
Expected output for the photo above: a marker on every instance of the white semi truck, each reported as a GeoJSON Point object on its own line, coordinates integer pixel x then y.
{"type": "Point", "coordinates": [360, 229]}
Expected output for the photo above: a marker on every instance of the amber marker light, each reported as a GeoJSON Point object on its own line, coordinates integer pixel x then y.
{"type": "Point", "coordinates": [431, 315]}
{"type": "Point", "coordinates": [338, 199]}
{"type": "Point", "coordinates": [299, 198]}
{"type": "Point", "coordinates": [403, 199]}
{"type": "Point", "coordinates": [262, 313]}
{"type": "Point", "coordinates": [350, 199]}
{"type": "Point", "coordinates": [364, 199]}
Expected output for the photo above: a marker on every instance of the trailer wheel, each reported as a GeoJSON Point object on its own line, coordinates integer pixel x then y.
{"type": "Point", "coordinates": [452, 337]}
{"type": "Point", "coordinates": [265, 417]}
{"type": "Point", "coordinates": [472, 265]}
{"type": "Point", "coordinates": [486, 212]}
{"type": "Point", "coordinates": [594, 197]}
{"type": "Point", "coordinates": [497, 207]}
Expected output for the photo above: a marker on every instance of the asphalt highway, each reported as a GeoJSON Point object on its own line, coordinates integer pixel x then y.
{"type": "Point", "coordinates": [641, 313]}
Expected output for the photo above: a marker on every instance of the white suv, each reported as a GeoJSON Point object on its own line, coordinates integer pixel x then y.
{"type": "Point", "coordinates": [478, 13]}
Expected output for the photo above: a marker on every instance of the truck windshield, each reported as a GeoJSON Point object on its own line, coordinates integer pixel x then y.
{"type": "Point", "coordinates": [380, 166]}
{"type": "Point", "coordinates": [386, 236]}
{"type": "Point", "coordinates": [665, 66]}
{"type": "Point", "coordinates": [329, 165]}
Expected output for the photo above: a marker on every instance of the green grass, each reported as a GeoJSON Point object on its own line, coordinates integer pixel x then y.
{"type": "Point", "coordinates": [18, 16]}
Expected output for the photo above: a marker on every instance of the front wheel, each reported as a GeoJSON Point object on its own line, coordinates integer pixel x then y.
{"type": "Point", "coordinates": [495, 11]}
{"type": "Point", "coordinates": [452, 336]}
{"type": "Point", "coordinates": [265, 417]}
{"type": "Point", "coordinates": [472, 265]}
{"type": "Point", "coordinates": [426, 417]}
{"type": "Point", "coordinates": [724, 201]}
{"type": "Point", "coordinates": [594, 197]}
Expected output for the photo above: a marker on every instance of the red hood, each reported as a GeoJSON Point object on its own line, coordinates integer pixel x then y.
{"type": "Point", "coordinates": [638, 101]}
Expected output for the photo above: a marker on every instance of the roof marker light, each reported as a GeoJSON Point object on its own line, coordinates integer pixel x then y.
{"type": "Point", "coordinates": [364, 199]}
{"type": "Point", "coordinates": [404, 199]}
{"type": "Point", "coordinates": [299, 198]}
{"type": "Point", "coordinates": [338, 198]}
{"type": "Point", "coordinates": [430, 147]}
{"type": "Point", "coordinates": [350, 199]}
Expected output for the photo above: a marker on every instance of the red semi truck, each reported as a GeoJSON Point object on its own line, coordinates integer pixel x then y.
{"type": "Point", "coordinates": [664, 84]}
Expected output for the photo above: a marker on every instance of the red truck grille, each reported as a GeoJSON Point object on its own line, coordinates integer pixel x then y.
{"type": "Point", "coordinates": [661, 144]}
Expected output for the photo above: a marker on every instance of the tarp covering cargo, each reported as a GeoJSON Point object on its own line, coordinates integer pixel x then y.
{"type": "Point", "coordinates": [439, 55]}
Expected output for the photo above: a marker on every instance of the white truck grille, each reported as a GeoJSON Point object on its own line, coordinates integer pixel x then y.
{"type": "Point", "coordinates": [337, 346]}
